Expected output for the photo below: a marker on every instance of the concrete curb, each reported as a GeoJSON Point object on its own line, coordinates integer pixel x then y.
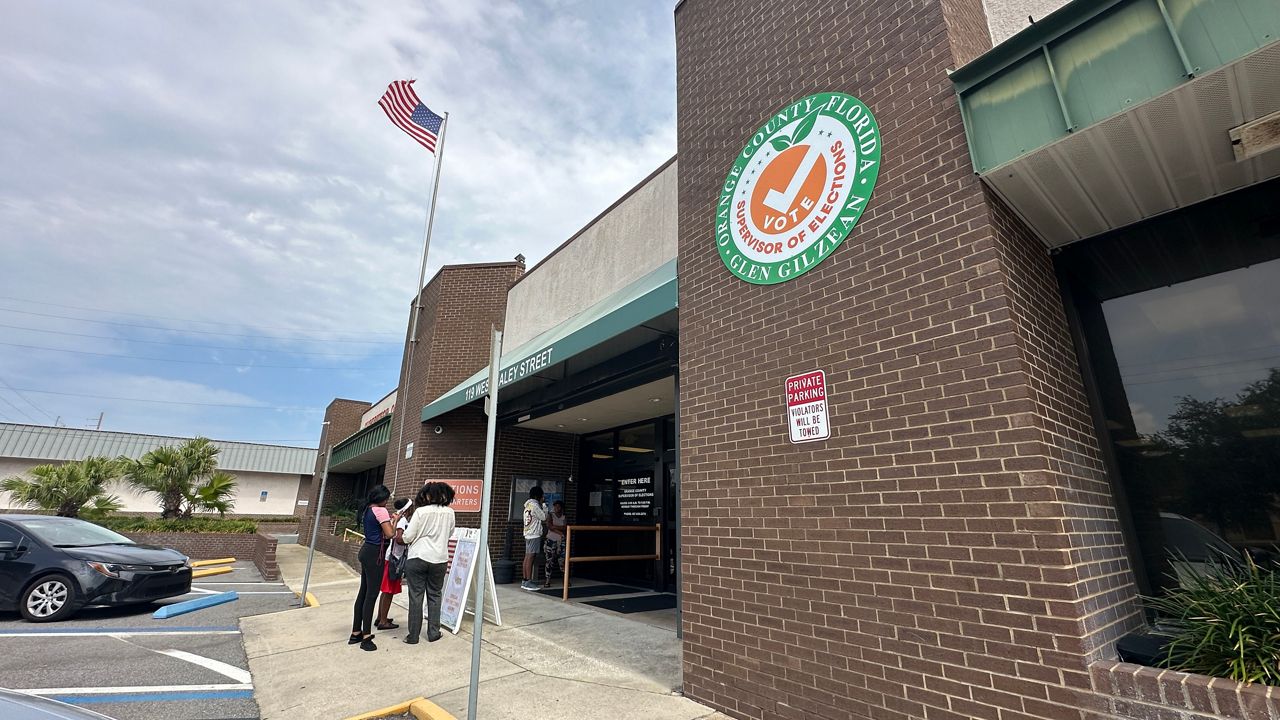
{"type": "Point", "coordinates": [206, 563]}
{"type": "Point", "coordinates": [421, 708]}
{"type": "Point", "coordinates": [311, 600]}
{"type": "Point", "coordinates": [197, 574]}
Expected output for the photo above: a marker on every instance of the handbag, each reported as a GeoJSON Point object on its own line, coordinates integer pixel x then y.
{"type": "Point", "coordinates": [395, 570]}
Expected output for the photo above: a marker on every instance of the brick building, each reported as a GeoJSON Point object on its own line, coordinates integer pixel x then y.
{"type": "Point", "coordinates": [1034, 248]}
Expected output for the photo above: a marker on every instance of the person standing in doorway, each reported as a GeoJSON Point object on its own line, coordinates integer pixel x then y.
{"type": "Point", "coordinates": [535, 514]}
{"type": "Point", "coordinates": [376, 522]}
{"type": "Point", "coordinates": [553, 548]}
{"type": "Point", "coordinates": [428, 539]}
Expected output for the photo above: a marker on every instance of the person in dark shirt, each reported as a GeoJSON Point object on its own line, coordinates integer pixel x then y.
{"type": "Point", "coordinates": [376, 521]}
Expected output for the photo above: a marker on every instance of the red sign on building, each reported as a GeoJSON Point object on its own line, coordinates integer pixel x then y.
{"type": "Point", "coordinates": [807, 418]}
{"type": "Point", "coordinates": [467, 495]}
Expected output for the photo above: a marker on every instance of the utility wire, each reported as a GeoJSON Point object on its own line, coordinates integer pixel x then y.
{"type": "Point", "coordinates": [27, 400]}
{"type": "Point", "coordinates": [1147, 373]}
{"type": "Point", "coordinates": [161, 328]}
{"type": "Point", "coordinates": [162, 317]}
{"type": "Point", "coordinates": [171, 402]}
{"type": "Point", "coordinates": [194, 345]}
{"type": "Point", "coordinates": [186, 362]}
{"type": "Point", "coordinates": [20, 410]}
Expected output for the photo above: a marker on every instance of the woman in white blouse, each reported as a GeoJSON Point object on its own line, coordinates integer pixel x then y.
{"type": "Point", "coordinates": [428, 539]}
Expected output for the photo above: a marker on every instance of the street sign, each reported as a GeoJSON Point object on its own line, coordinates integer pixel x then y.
{"type": "Point", "coordinates": [807, 418]}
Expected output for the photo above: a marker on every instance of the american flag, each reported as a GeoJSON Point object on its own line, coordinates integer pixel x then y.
{"type": "Point", "coordinates": [402, 106]}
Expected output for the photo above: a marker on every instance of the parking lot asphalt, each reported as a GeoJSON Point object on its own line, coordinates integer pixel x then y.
{"type": "Point", "coordinates": [124, 664]}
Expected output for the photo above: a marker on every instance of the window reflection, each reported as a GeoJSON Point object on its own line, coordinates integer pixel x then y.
{"type": "Point", "coordinates": [1199, 439]}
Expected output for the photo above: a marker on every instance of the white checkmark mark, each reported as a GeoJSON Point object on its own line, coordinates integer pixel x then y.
{"type": "Point", "coordinates": [781, 201]}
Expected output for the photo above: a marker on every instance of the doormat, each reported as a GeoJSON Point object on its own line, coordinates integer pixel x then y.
{"type": "Point", "coordinates": [588, 590]}
{"type": "Point", "coordinates": [641, 603]}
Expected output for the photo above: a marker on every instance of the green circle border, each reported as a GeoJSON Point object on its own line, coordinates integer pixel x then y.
{"type": "Point", "coordinates": [730, 185]}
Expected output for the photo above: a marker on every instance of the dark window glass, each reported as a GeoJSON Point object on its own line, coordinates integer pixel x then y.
{"type": "Point", "coordinates": [70, 532]}
{"type": "Point", "coordinates": [8, 534]}
{"type": "Point", "coordinates": [1197, 436]}
{"type": "Point", "coordinates": [637, 445]}
{"type": "Point", "coordinates": [599, 447]}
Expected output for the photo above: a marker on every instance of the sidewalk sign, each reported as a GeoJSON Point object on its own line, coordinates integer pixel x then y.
{"type": "Point", "coordinates": [457, 584]}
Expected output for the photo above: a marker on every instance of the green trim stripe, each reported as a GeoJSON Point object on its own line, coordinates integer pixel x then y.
{"type": "Point", "coordinates": [643, 300]}
{"type": "Point", "coordinates": [370, 438]}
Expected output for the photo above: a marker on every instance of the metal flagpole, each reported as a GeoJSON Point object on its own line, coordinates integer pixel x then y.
{"type": "Point", "coordinates": [482, 552]}
{"type": "Point", "coordinates": [417, 294]}
{"type": "Point", "coordinates": [315, 513]}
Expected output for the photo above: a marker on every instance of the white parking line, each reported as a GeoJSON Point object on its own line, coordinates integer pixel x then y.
{"type": "Point", "coordinates": [135, 689]}
{"type": "Point", "coordinates": [243, 582]}
{"type": "Point", "coordinates": [231, 671]}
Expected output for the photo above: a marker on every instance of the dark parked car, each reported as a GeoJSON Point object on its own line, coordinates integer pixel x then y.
{"type": "Point", "coordinates": [50, 567]}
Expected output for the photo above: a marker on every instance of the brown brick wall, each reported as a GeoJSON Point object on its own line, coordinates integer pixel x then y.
{"type": "Point", "coordinates": [255, 547]}
{"type": "Point", "coordinates": [529, 453]}
{"type": "Point", "coordinates": [458, 453]}
{"type": "Point", "coordinates": [338, 546]}
{"type": "Point", "coordinates": [343, 417]}
{"type": "Point", "coordinates": [460, 304]}
{"type": "Point", "coordinates": [952, 551]}
{"type": "Point", "coordinates": [967, 29]}
{"type": "Point", "coordinates": [1134, 691]}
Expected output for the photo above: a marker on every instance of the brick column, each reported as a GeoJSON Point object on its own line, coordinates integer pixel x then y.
{"type": "Point", "coordinates": [953, 550]}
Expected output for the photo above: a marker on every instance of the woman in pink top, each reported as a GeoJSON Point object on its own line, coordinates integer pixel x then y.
{"type": "Point", "coordinates": [376, 522]}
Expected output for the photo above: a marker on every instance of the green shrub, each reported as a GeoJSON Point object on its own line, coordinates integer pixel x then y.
{"type": "Point", "coordinates": [1224, 622]}
{"type": "Point", "coordinates": [344, 508]}
{"type": "Point", "coordinates": [180, 525]}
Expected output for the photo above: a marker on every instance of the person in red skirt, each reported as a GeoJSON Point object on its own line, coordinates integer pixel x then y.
{"type": "Point", "coordinates": [396, 549]}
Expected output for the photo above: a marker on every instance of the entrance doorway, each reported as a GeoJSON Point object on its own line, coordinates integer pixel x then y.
{"type": "Point", "coordinates": [630, 478]}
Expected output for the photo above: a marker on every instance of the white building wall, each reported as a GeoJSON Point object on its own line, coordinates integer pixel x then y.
{"type": "Point", "coordinates": [633, 239]}
{"type": "Point", "coordinates": [282, 491]}
{"type": "Point", "coordinates": [1006, 18]}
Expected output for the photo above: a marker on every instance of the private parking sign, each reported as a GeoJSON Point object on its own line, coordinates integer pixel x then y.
{"type": "Point", "coordinates": [807, 417]}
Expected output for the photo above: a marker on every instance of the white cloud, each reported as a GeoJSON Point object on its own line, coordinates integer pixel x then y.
{"type": "Point", "coordinates": [227, 162]}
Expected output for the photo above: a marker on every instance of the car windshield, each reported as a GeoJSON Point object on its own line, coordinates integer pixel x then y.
{"type": "Point", "coordinates": [69, 532]}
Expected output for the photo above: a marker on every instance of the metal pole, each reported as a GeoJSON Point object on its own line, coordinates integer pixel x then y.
{"type": "Point", "coordinates": [482, 553]}
{"type": "Point", "coordinates": [417, 295]}
{"type": "Point", "coordinates": [315, 523]}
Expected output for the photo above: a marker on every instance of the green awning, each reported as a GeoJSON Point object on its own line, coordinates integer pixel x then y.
{"type": "Point", "coordinates": [366, 446]}
{"type": "Point", "coordinates": [639, 302]}
{"type": "Point", "coordinates": [1093, 59]}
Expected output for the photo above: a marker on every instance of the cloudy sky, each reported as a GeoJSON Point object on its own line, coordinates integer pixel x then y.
{"type": "Point", "coordinates": [207, 226]}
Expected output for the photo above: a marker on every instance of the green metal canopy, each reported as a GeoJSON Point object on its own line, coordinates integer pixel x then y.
{"type": "Point", "coordinates": [1110, 112]}
{"type": "Point", "coordinates": [639, 302]}
{"type": "Point", "coordinates": [369, 445]}
{"type": "Point", "coordinates": [1090, 60]}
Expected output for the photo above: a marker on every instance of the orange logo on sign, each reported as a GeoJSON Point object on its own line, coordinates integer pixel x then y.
{"type": "Point", "coordinates": [789, 188]}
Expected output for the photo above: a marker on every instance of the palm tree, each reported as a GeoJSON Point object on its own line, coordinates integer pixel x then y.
{"type": "Point", "coordinates": [184, 478]}
{"type": "Point", "coordinates": [69, 489]}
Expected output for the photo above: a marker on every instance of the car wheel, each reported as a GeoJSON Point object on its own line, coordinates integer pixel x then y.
{"type": "Point", "coordinates": [48, 599]}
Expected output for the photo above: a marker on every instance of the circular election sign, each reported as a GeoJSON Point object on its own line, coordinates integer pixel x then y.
{"type": "Point", "coordinates": [797, 188]}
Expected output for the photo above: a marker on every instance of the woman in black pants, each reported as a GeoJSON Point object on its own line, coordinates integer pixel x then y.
{"type": "Point", "coordinates": [376, 522]}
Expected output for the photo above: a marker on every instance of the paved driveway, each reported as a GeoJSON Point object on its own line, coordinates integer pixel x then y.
{"type": "Point", "coordinates": [124, 664]}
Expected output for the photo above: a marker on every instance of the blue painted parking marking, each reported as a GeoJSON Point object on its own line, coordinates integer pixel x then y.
{"type": "Point", "coordinates": [199, 603]}
{"type": "Point", "coordinates": [154, 697]}
{"type": "Point", "coordinates": [80, 630]}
